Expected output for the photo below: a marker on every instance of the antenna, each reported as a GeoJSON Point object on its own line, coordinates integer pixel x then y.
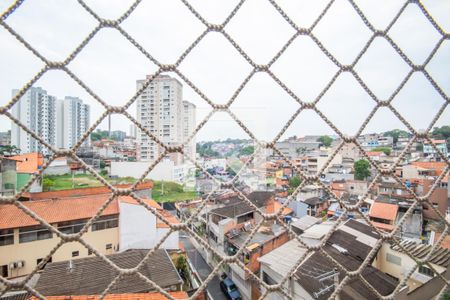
{"type": "Point", "coordinates": [326, 276]}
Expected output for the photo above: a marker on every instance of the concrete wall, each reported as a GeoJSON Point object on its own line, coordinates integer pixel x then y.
{"type": "Point", "coordinates": [32, 251]}
{"type": "Point", "coordinates": [162, 171]}
{"type": "Point", "coordinates": [400, 271]}
{"type": "Point", "coordinates": [137, 227]}
{"type": "Point", "coordinates": [171, 242]}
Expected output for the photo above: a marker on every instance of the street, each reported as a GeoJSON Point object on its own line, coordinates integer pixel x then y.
{"type": "Point", "coordinates": [203, 269]}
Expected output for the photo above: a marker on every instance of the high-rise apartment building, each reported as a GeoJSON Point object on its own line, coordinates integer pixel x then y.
{"type": "Point", "coordinates": [189, 124]}
{"type": "Point", "coordinates": [37, 111]}
{"type": "Point", "coordinates": [160, 110]}
{"type": "Point", "coordinates": [75, 121]}
{"type": "Point", "coordinates": [60, 123]}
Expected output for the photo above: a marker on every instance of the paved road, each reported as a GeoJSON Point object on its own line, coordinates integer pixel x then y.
{"type": "Point", "coordinates": [203, 269]}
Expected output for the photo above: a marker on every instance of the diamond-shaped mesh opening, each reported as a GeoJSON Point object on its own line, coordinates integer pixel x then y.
{"type": "Point", "coordinates": [384, 77]}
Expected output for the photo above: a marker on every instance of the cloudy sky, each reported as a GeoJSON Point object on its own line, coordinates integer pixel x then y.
{"type": "Point", "coordinates": [110, 65]}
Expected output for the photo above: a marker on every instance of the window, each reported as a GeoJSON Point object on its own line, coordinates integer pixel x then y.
{"type": "Point", "coordinates": [90, 252]}
{"type": "Point", "coordinates": [34, 233]}
{"type": "Point", "coordinates": [108, 246]}
{"type": "Point", "coordinates": [426, 271]}
{"type": "Point", "coordinates": [105, 222]}
{"type": "Point", "coordinates": [75, 253]}
{"type": "Point", "coordinates": [6, 237]}
{"type": "Point", "coordinates": [4, 271]}
{"type": "Point", "coordinates": [393, 259]}
{"type": "Point", "coordinates": [38, 261]}
{"type": "Point", "coordinates": [71, 226]}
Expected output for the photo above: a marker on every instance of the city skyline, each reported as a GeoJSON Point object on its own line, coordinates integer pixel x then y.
{"type": "Point", "coordinates": [110, 65]}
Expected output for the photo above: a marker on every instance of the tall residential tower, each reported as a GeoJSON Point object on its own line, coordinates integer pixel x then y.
{"type": "Point", "coordinates": [37, 111]}
{"type": "Point", "coordinates": [160, 109]}
{"type": "Point", "coordinates": [60, 123]}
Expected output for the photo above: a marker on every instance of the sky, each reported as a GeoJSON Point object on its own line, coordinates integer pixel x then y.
{"type": "Point", "coordinates": [110, 64]}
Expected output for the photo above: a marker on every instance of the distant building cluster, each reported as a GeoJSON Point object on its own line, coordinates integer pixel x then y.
{"type": "Point", "coordinates": [60, 123]}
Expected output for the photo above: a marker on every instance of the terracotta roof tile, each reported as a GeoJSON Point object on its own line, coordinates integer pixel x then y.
{"type": "Point", "coordinates": [54, 211]}
{"type": "Point", "coordinates": [385, 211]}
{"type": "Point", "coordinates": [134, 296]}
{"type": "Point", "coordinates": [438, 167]}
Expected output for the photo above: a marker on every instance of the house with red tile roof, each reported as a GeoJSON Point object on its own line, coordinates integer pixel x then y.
{"type": "Point", "coordinates": [383, 215]}
{"type": "Point", "coordinates": [123, 223]}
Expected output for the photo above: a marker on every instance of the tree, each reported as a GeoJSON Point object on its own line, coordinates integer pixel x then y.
{"type": "Point", "coordinates": [47, 184]}
{"type": "Point", "coordinates": [386, 150]}
{"type": "Point", "coordinates": [325, 140]}
{"type": "Point", "coordinates": [181, 265]}
{"type": "Point", "coordinates": [247, 150]}
{"type": "Point", "coordinates": [295, 181]}
{"type": "Point", "coordinates": [362, 169]}
{"type": "Point", "coordinates": [395, 134]}
{"type": "Point", "coordinates": [9, 150]}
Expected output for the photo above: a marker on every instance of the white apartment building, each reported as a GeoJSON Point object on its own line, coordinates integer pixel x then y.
{"type": "Point", "coordinates": [60, 123]}
{"type": "Point", "coordinates": [189, 124]}
{"type": "Point", "coordinates": [37, 111]}
{"type": "Point", "coordinates": [75, 117]}
{"type": "Point", "coordinates": [160, 110]}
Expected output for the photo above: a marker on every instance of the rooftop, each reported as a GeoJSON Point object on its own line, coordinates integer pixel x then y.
{"type": "Point", "coordinates": [68, 209]}
{"type": "Point", "coordinates": [441, 256]}
{"type": "Point", "coordinates": [384, 211]}
{"type": "Point", "coordinates": [262, 236]}
{"type": "Point", "coordinates": [91, 276]}
{"type": "Point", "coordinates": [235, 206]}
{"type": "Point", "coordinates": [141, 296]}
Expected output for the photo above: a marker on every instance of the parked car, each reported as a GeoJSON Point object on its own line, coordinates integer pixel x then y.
{"type": "Point", "coordinates": [229, 288]}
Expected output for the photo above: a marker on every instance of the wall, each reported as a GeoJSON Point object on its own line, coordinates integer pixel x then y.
{"type": "Point", "coordinates": [399, 271]}
{"type": "Point", "coordinates": [24, 178]}
{"type": "Point", "coordinates": [137, 227]}
{"type": "Point", "coordinates": [31, 251]}
{"type": "Point", "coordinates": [162, 171]}
{"type": "Point", "coordinates": [171, 242]}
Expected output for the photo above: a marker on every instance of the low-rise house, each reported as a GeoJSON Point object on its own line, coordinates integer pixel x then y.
{"type": "Point", "coordinates": [428, 150]}
{"type": "Point", "coordinates": [317, 275]}
{"type": "Point", "coordinates": [383, 215]}
{"type": "Point", "coordinates": [315, 206]}
{"type": "Point", "coordinates": [92, 275]}
{"type": "Point", "coordinates": [393, 261]}
{"type": "Point", "coordinates": [267, 238]}
{"type": "Point", "coordinates": [27, 165]}
{"type": "Point", "coordinates": [123, 224]}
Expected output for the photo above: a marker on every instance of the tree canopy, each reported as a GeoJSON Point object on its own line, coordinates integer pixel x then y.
{"type": "Point", "coordinates": [396, 133]}
{"type": "Point", "coordinates": [362, 169]}
{"type": "Point", "coordinates": [325, 140]}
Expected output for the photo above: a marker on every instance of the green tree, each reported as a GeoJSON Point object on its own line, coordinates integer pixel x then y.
{"type": "Point", "coordinates": [9, 150]}
{"type": "Point", "coordinates": [295, 181]}
{"type": "Point", "coordinates": [386, 150]}
{"type": "Point", "coordinates": [182, 267]}
{"type": "Point", "coordinates": [47, 184]}
{"type": "Point", "coordinates": [325, 140]}
{"type": "Point", "coordinates": [395, 134]}
{"type": "Point", "coordinates": [362, 169]}
{"type": "Point", "coordinates": [247, 150]}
